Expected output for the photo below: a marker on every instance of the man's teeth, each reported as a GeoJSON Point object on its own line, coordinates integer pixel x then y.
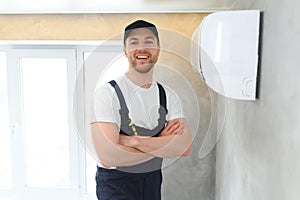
{"type": "Point", "coordinates": [142, 57]}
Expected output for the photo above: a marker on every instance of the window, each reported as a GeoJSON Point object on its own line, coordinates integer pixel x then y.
{"type": "Point", "coordinates": [45, 151]}
{"type": "Point", "coordinates": [5, 132]}
{"type": "Point", "coordinates": [41, 154]}
{"type": "Point", "coordinates": [46, 127]}
{"type": "Point", "coordinates": [113, 64]}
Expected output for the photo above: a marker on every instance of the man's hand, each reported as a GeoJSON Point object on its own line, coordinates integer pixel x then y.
{"type": "Point", "coordinates": [110, 151]}
{"type": "Point", "coordinates": [173, 141]}
{"type": "Point", "coordinates": [174, 127]}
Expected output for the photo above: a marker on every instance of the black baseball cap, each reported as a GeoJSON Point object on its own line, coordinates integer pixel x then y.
{"type": "Point", "coordinates": [140, 24]}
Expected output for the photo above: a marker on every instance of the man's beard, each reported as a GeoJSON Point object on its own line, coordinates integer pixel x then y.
{"type": "Point", "coordinates": [141, 67]}
{"type": "Point", "coordinates": [144, 68]}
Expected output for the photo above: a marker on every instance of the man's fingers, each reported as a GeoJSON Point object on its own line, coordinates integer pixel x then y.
{"type": "Point", "coordinates": [174, 129]}
{"type": "Point", "coordinates": [170, 124]}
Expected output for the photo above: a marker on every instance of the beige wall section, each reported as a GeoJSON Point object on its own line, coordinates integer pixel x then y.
{"type": "Point", "coordinates": [88, 26]}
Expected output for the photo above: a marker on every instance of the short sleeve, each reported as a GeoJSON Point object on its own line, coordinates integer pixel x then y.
{"type": "Point", "coordinates": [105, 108]}
{"type": "Point", "coordinates": [174, 105]}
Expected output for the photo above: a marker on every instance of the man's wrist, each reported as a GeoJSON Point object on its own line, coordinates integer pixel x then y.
{"type": "Point", "coordinates": [134, 141]}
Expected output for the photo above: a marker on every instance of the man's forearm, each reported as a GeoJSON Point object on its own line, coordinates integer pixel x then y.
{"type": "Point", "coordinates": [110, 152]}
{"type": "Point", "coordinates": [163, 146]}
{"type": "Point", "coordinates": [121, 156]}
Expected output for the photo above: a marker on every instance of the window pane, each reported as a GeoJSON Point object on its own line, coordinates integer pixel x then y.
{"type": "Point", "coordinates": [45, 104]}
{"type": "Point", "coordinates": [110, 72]}
{"type": "Point", "coordinates": [5, 143]}
{"type": "Point", "coordinates": [115, 69]}
{"type": "Point", "coordinates": [91, 168]}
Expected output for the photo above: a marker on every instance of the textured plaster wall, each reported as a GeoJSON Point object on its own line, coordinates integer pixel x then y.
{"type": "Point", "coordinates": [259, 150]}
{"type": "Point", "coordinates": [187, 178]}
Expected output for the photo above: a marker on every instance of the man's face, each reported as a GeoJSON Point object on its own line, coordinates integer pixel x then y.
{"type": "Point", "coordinates": [142, 50]}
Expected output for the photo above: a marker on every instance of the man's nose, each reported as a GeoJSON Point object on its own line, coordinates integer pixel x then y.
{"type": "Point", "coordinates": [145, 45]}
{"type": "Point", "coordinates": [142, 46]}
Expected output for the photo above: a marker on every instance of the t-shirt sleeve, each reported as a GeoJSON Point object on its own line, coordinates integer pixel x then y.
{"type": "Point", "coordinates": [174, 106]}
{"type": "Point", "coordinates": [104, 106]}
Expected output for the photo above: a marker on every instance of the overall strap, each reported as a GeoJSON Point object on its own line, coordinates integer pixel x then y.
{"type": "Point", "coordinates": [162, 97]}
{"type": "Point", "coordinates": [127, 126]}
{"type": "Point", "coordinates": [122, 102]}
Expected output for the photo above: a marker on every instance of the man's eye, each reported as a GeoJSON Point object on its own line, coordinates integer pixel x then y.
{"type": "Point", "coordinates": [133, 43]}
{"type": "Point", "coordinates": [149, 42]}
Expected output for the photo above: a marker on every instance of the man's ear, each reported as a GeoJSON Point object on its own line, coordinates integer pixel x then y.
{"type": "Point", "coordinates": [125, 52]}
{"type": "Point", "coordinates": [158, 50]}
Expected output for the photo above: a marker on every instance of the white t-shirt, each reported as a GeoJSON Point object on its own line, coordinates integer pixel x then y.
{"type": "Point", "coordinates": [143, 103]}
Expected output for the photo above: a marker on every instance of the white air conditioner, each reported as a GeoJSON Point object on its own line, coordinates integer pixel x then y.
{"type": "Point", "coordinates": [225, 51]}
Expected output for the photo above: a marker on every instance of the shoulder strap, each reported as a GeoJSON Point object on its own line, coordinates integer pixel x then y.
{"type": "Point", "coordinates": [122, 102]}
{"type": "Point", "coordinates": [127, 126]}
{"type": "Point", "coordinates": [163, 111]}
{"type": "Point", "coordinates": [162, 97]}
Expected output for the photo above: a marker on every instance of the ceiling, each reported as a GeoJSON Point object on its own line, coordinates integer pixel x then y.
{"type": "Point", "coordinates": [111, 6]}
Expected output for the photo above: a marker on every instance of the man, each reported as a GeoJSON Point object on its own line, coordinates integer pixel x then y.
{"type": "Point", "coordinates": [138, 122]}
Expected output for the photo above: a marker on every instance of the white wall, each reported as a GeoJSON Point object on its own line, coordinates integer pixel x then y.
{"type": "Point", "coordinates": [258, 155]}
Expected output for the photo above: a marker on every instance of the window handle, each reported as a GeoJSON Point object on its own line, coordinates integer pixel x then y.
{"type": "Point", "coordinates": [13, 129]}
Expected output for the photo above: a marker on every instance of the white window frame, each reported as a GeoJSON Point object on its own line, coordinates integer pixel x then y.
{"type": "Point", "coordinates": [74, 52]}
{"type": "Point", "coordinates": [15, 109]}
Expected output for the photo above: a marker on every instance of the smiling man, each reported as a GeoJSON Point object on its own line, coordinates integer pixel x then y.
{"type": "Point", "coordinates": [138, 122]}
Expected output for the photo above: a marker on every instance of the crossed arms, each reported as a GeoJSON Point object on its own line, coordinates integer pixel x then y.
{"type": "Point", "coordinates": [115, 150]}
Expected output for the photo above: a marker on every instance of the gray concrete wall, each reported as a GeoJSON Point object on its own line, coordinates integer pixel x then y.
{"type": "Point", "coordinates": [191, 178]}
{"type": "Point", "coordinates": [258, 155]}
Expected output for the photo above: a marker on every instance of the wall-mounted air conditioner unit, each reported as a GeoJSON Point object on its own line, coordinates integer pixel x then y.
{"type": "Point", "coordinates": [225, 51]}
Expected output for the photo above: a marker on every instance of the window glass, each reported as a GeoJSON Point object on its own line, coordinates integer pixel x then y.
{"type": "Point", "coordinates": [46, 127]}
{"type": "Point", "coordinates": [5, 140]}
{"type": "Point", "coordinates": [117, 68]}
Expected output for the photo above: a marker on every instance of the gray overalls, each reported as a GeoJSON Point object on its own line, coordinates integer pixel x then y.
{"type": "Point", "coordinates": [137, 182]}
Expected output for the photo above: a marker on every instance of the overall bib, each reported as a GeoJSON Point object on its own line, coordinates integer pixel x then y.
{"type": "Point", "coordinates": [137, 182]}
